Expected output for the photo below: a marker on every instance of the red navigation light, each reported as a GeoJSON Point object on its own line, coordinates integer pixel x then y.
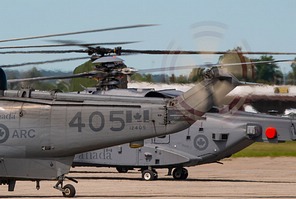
{"type": "Point", "coordinates": [270, 132]}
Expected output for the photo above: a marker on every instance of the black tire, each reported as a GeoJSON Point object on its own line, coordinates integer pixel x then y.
{"type": "Point", "coordinates": [155, 174]}
{"type": "Point", "coordinates": [148, 175]}
{"type": "Point", "coordinates": [69, 191]}
{"type": "Point", "coordinates": [122, 169]}
{"type": "Point", "coordinates": [184, 174]}
{"type": "Point", "coordinates": [177, 173]}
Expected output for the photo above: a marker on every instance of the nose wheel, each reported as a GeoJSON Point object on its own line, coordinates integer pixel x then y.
{"type": "Point", "coordinates": [68, 190]}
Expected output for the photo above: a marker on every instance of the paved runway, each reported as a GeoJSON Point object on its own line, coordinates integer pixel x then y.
{"type": "Point", "coordinates": [236, 178]}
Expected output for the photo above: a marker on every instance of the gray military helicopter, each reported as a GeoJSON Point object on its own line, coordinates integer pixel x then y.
{"type": "Point", "coordinates": [207, 141]}
{"type": "Point", "coordinates": [177, 151]}
{"type": "Point", "coordinates": [44, 130]}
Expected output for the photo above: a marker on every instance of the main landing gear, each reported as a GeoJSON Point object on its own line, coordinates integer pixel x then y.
{"type": "Point", "coordinates": [149, 174]}
{"type": "Point", "coordinates": [68, 190]}
{"type": "Point", "coordinates": [122, 169]}
{"type": "Point", "coordinates": [180, 173]}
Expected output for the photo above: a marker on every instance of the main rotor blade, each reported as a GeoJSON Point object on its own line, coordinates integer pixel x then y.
{"type": "Point", "coordinates": [172, 68]}
{"type": "Point", "coordinates": [79, 32]}
{"type": "Point", "coordinates": [177, 52]}
{"type": "Point", "coordinates": [85, 74]}
{"type": "Point", "coordinates": [42, 62]}
{"type": "Point", "coordinates": [44, 52]}
{"type": "Point", "coordinates": [68, 44]}
{"type": "Point", "coordinates": [119, 51]}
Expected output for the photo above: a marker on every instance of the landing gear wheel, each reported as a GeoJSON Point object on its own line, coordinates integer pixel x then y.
{"type": "Point", "coordinates": [177, 173]}
{"type": "Point", "coordinates": [155, 174]}
{"type": "Point", "coordinates": [149, 175]}
{"type": "Point", "coordinates": [69, 191]}
{"type": "Point", "coordinates": [184, 174]}
{"type": "Point", "coordinates": [122, 169]}
{"type": "Point", "coordinates": [180, 173]}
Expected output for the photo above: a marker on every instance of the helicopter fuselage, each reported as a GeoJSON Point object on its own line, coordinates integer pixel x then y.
{"type": "Point", "coordinates": [43, 131]}
{"type": "Point", "coordinates": [38, 124]}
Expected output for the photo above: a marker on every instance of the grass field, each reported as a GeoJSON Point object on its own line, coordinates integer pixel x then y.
{"type": "Point", "coordinates": [266, 149]}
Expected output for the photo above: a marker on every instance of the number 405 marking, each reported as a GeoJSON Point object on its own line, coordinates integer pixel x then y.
{"type": "Point", "coordinates": [115, 116]}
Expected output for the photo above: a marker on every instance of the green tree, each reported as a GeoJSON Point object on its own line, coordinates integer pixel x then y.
{"type": "Point", "coordinates": [291, 77]}
{"type": "Point", "coordinates": [267, 72]}
{"type": "Point", "coordinates": [34, 72]}
{"type": "Point", "coordinates": [137, 77]}
{"type": "Point", "coordinates": [37, 85]}
{"type": "Point", "coordinates": [196, 75]}
{"type": "Point", "coordinates": [172, 78]}
{"type": "Point", "coordinates": [182, 79]}
{"type": "Point", "coordinates": [77, 84]}
{"type": "Point", "coordinates": [148, 78]}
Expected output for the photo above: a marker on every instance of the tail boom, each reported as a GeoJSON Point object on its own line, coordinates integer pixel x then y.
{"type": "Point", "coordinates": [202, 97]}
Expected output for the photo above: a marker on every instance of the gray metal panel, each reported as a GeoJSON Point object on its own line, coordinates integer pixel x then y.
{"type": "Point", "coordinates": [22, 168]}
{"type": "Point", "coordinates": [107, 59]}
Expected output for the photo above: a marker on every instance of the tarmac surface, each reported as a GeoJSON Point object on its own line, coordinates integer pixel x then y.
{"type": "Point", "coordinates": [236, 178]}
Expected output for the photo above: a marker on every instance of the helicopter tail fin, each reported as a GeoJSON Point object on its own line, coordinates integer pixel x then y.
{"type": "Point", "coordinates": [237, 64]}
{"type": "Point", "coordinates": [202, 97]}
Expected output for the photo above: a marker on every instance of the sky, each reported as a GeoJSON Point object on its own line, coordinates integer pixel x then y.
{"type": "Point", "coordinates": [255, 25]}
